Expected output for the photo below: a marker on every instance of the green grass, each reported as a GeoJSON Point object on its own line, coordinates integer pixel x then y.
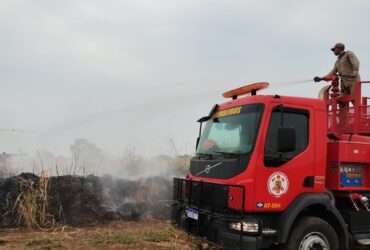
{"type": "Point", "coordinates": [165, 234]}
{"type": "Point", "coordinates": [122, 238]}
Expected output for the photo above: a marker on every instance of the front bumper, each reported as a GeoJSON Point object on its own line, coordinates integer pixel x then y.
{"type": "Point", "coordinates": [213, 215]}
{"type": "Point", "coordinates": [215, 229]}
{"type": "Point", "coordinates": [231, 240]}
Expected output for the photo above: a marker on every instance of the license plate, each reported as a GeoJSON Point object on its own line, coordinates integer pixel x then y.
{"type": "Point", "coordinates": [192, 213]}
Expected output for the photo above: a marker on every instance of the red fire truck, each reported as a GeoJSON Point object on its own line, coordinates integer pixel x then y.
{"type": "Point", "coordinates": [282, 172]}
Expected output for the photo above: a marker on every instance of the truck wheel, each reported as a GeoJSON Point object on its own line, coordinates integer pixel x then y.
{"type": "Point", "coordinates": [312, 233]}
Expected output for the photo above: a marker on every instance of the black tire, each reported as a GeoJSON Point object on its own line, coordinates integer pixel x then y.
{"type": "Point", "coordinates": [312, 231]}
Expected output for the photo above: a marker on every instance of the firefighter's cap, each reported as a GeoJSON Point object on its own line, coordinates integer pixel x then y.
{"type": "Point", "coordinates": [339, 46]}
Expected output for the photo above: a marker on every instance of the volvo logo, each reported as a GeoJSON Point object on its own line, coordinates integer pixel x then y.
{"type": "Point", "coordinates": [208, 169]}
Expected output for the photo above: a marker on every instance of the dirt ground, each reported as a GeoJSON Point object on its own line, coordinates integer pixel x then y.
{"type": "Point", "coordinates": [116, 235]}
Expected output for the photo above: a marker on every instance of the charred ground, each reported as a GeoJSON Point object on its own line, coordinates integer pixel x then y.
{"type": "Point", "coordinates": [34, 201]}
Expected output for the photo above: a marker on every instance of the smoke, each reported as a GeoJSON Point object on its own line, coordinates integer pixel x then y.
{"type": "Point", "coordinates": [33, 201]}
{"type": "Point", "coordinates": [87, 158]}
{"type": "Point", "coordinates": [90, 185]}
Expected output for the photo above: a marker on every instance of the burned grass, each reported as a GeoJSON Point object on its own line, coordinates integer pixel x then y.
{"type": "Point", "coordinates": [74, 212]}
{"type": "Point", "coordinates": [42, 202]}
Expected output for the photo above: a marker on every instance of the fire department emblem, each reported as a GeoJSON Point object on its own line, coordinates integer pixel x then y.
{"type": "Point", "coordinates": [278, 184]}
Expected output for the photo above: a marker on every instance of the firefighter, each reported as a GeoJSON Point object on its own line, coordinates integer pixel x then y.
{"type": "Point", "coordinates": [347, 67]}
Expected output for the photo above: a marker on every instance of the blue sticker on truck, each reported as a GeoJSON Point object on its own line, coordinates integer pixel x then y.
{"type": "Point", "coordinates": [351, 176]}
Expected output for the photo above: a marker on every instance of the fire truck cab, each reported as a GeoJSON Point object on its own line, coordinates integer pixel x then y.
{"type": "Point", "coordinates": [278, 171]}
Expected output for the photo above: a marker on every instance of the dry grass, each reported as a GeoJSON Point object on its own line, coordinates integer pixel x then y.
{"type": "Point", "coordinates": [117, 238]}
{"type": "Point", "coordinates": [31, 205]}
{"type": "Point", "coordinates": [163, 235]}
{"type": "Point", "coordinates": [44, 244]}
{"type": "Point", "coordinates": [146, 235]}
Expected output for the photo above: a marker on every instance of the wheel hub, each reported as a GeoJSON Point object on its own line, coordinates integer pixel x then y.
{"type": "Point", "coordinates": [314, 241]}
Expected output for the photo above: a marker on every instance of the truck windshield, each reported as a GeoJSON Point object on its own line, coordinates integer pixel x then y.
{"type": "Point", "coordinates": [231, 131]}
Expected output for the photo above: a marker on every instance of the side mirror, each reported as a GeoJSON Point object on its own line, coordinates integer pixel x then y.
{"type": "Point", "coordinates": [286, 140]}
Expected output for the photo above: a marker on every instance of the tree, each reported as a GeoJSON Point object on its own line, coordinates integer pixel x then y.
{"type": "Point", "coordinates": [132, 163]}
{"type": "Point", "coordinates": [87, 158]}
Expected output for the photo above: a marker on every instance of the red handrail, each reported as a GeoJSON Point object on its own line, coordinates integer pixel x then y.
{"type": "Point", "coordinates": [344, 118]}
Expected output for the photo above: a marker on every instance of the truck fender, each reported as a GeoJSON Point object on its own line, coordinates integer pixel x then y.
{"type": "Point", "coordinates": [288, 217]}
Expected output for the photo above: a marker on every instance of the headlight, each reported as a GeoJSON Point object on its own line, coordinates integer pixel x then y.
{"type": "Point", "coordinates": [244, 226]}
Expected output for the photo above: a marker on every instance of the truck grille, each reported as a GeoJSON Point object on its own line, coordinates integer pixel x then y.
{"type": "Point", "coordinates": [204, 195]}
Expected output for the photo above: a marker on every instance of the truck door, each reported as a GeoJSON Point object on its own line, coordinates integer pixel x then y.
{"type": "Point", "coordinates": [281, 176]}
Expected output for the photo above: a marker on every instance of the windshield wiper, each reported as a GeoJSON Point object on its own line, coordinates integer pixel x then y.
{"type": "Point", "coordinates": [210, 156]}
{"type": "Point", "coordinates": [233, 154]}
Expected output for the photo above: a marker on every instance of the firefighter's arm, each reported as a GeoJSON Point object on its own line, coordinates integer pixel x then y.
{"type": "Point", "coordinates": [354, 62]}
{"type": "Point", "coordinates": [331, 74]}
{"type": "Point", "coordinates": [328, 76]}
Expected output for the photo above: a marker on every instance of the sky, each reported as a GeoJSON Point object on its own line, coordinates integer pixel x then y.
{"type": "Point", "coordinates": [138, 73]}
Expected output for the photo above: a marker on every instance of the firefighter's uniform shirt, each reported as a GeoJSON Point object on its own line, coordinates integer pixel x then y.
{"type": "Point", "coordinates": [347, 66]}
